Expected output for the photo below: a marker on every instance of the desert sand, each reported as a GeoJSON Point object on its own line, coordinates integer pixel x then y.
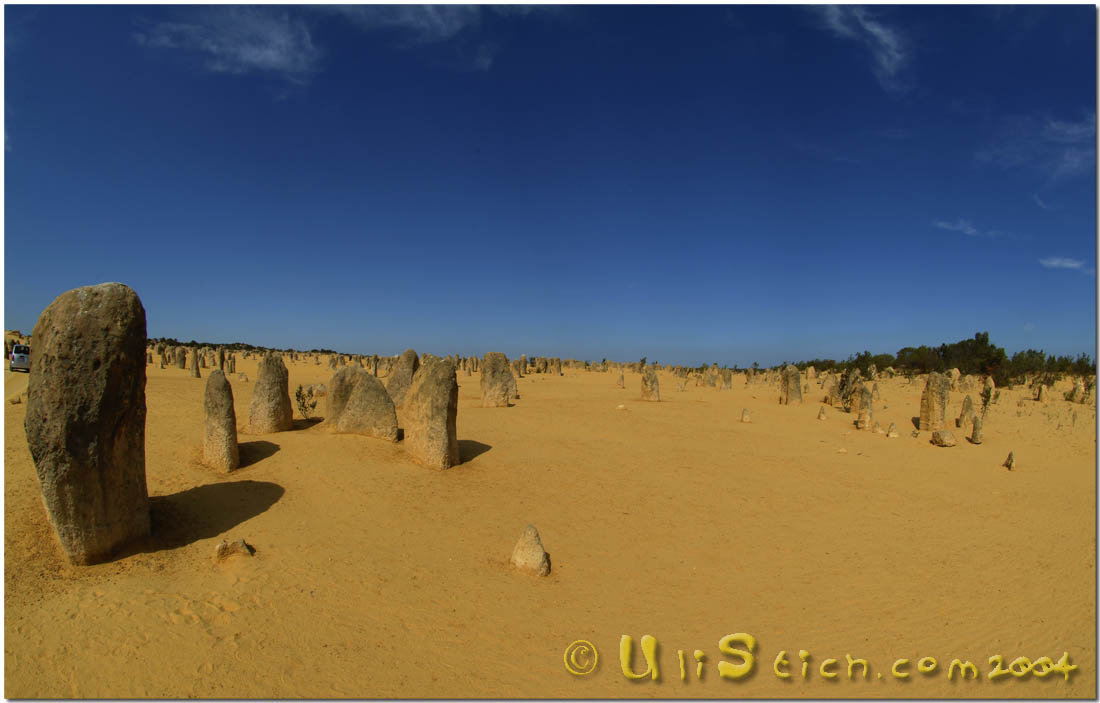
{"type": "Point", "coordinates": [375, 577]}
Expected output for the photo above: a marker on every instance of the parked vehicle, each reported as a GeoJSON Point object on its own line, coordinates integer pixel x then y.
{"type": "Point", "coordinates": [20, 358]}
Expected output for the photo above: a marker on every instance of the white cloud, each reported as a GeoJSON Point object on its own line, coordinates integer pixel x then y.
{"type": "Point", "coordinates": [1039, 201]}
{"type": "Point", "coordinates": [242, 40]}
{"type": "Point", "coordinates": [889, 49]}
{"type": "Point", "coordinates": [1056, 149]}
{"type": "Point", "coordinates": [423, 23]}
{"type": "Point", "coordinates": [963, 226]}
{"type": "Point", "coordinates": [1061, 262]}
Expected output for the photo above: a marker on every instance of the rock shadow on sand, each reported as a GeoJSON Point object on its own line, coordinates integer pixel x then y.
{"type": "Point", "coordinates": [208, 511]}
{"type": "Point", "coordinates": [305, 424]}
{"type": "Point", "coordinates": [469, 449]}
{"type": "Point", "coordinates": [252, 452]}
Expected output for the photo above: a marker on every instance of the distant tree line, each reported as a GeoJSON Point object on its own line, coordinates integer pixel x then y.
{"type": "Point", "coordinates": [970, 356]}
{"type": "Point", "coordinates": [233, 346]}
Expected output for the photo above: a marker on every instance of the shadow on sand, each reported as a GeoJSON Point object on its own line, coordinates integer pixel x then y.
{"type": "Point", "coordinates": [207, 511]}
{"type": "Point", "coordinates": [252, 452]}
{"type": "Point", "coordinates": [469, 449]}
{"type": "Point", "coordinates": [307, 423]}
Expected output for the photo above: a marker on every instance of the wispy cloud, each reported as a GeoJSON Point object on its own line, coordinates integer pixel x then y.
{"type": "Point", "coordinates": [963, 226]}
{"type": "Point", "coordinates": [1057, 149]}
{"type": "Point", "coordinates": [415, 25]}
{"type": "Point", "coordinates": [241, 40]}
{"type": "Point", "coordinates": [889, 48]}
{"type": "Point", "coordinates": [1061, 262]}
{"type": "Point", "coordinates": [1039, 201]}
{"type": "Point", "coordinates": [421, 23]}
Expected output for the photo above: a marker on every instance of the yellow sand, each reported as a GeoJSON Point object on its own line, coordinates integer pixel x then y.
{"type": "Point", "coordinates": [374, 577]}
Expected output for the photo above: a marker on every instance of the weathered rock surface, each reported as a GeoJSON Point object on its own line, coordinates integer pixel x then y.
{"type": "Point", "coordinates": [498, 384]}
{"type": "Point", "coordinates": [270, 408]}
{"type": "Point", "coordinates": [401, 376]}
{"type": "Point", "coordinates": [943, 438]}
{"type": "Point", "coordinates": [790, 386]}
{"type": "Point", "coordinates": [85, 421]}
{"type": "Point", "coordinates": [430, 416]}
{"type": "Point", "coordinates": [651, 387]}
{"type": "Point", "coordinates": [364, 406]}
{"type": "Point", "coordinates": [529, 555]}
{"type": "Point", "coordinates": [219, 442]}
{"type": "Point", "coordinates": [933, 402]}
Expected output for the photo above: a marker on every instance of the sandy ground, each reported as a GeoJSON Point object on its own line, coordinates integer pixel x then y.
{"type": "Point", "coordinates": [374, 577]}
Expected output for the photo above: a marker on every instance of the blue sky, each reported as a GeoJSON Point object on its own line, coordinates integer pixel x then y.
{"type": "Point", "coordinates": [690, 184]}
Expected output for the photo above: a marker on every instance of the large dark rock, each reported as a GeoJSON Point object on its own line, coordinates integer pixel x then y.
{"type": "Point", "coordinates": [401, 376]}
{"type": "Point", "coordinates": [651, 387]}
{"type": "Point", "coordinates": [359, 404]}
{"type": "Point", "coordinates": [790, 386]}
{"type": "Point", "coordinates": [270, 408]}
{"type": "Point", "coordinates": [85, 421]}
{"type": "Point", "coordinates": [219, 440]}
{"type": "Point", "coordinates": [430, 415]}
{"type": "Point", "coordinates": [498, 384]}
{"type": "Point", "coordinates": [933, 401]}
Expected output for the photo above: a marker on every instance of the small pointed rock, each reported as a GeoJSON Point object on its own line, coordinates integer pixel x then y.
{"type": "Point", "coordinates": [745, 415]}
{"type": "Point", "coordinates": [892, 431]}
{"type": "Point", "coordinates": [821, 413]}
{"type": "Point", "coordinates": [529, 555]}
{"type": "Point", "coordinates": [1010, 462]}
{"type": "Point", "coordinates": [226, 549]}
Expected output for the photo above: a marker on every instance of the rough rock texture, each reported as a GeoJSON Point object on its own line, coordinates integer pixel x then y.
{"type": "Point", "coordinates": [859, 398]}
{"type": "Point", "coordinates": [430, 416]}
{"type": "Point", "coordinates": [194, 363]}
{"type": "Point", "coordinates": [943, 438]}
{"type": "Point", "coordinates": [85, 421]}
{"type": "Point", "coordinates": [219, 441]}
{"type": "Point", "coordinates": [933, 402]}
{"type": "Point", "coordinates": [529, 555]}
{"type": "Point", "coordinates": [892, 431]}
{"type": "Point", "coordinates": [270, 408]}
{"type": "Point", "coordinates": [364, 407]}
{"type": "Point", "coordinates": [976, 433]}
{"type": "Point", "coordinates": [1077, 394]}
{"type": "Point", "coordinates": [865, 421]}
{"type": "Point", "coordinates": [236, 548]}
{"type": "Point", "coordinates": [651, 387]}
{"type": "Point", "coordinates": [339, 391]}
{"type": "Point", "coordinates": [821, 413]}
{"type": "Point", "coordinates": [401, 376]}
{"type": "Point", "coordinates": [181, 357]}
{"type": "Point", "coordinates": [966, 414]}
{"type": "Point", "coordinates": [497, 381]}
{"type": "Point", "coordinates": [1010, 462]}
{"type": "Point", "coordinates": [221, 358]}
{"type": "Point", "coordinates": [790, 386]}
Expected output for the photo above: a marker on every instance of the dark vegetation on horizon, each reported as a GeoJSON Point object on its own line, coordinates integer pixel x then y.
{"type": "Point", "coordinates": [970, 356]}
